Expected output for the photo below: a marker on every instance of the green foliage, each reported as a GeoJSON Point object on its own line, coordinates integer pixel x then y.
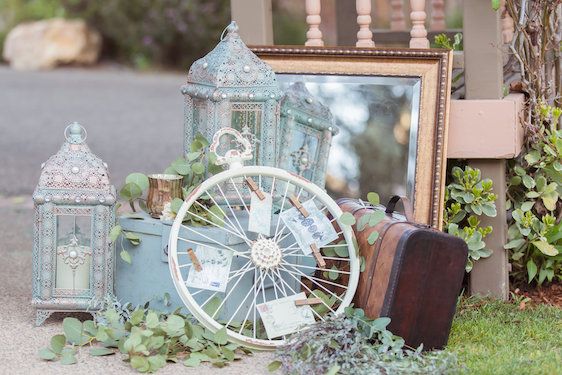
{"type": "Point", "coordinates": [534, 189]}
{"type": "Point", "coordinates": [134, 239]}
{"type": "Point", "coordinates": [353, 344]}
{"type": "Point", "coordinates": [443, 41]}
{"type": "Point", "coordinates": [146, 338]}
{"type": "Point", "coordinates": [192, 169]}
{"type": "Point", "coordinates": [371, 219]}
{"type": "Point", "coordinates": [467, 198]}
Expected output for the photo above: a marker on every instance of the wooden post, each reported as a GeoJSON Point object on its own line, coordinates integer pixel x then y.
{"type": "Point", "coordinates": [313, 35]}
{"type": "Point", "coordinates": [484, 80]}
{"type": "Point", "coordinates": [254, 20]}
{"type": "Point", "coordinates": [418, 33]}
{"type": "Point", "coordinates": [364, 35]}
{"type": "Point", "coordinates": [397, 20]}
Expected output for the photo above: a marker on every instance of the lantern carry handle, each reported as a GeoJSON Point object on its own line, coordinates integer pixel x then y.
{"type": "Point", "coordinates": [233, 157]}
{"type": "Point", "coordinates": [75, 133]}
{"type": "Point", "coordinates": [232, 27]}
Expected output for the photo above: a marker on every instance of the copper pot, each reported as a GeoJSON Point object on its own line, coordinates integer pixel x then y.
{"type": "Point", "coordinates": [162, 188]}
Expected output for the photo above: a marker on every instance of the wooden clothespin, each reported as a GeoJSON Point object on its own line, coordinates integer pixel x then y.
{"type": "Point", "coordinates": [194, 260]}
{"type": "Point", "coordinates": [308, 301]}
{"type": "Point", "coordinates": [297, 204]}
{"type": "Point", "coordinates": [254, 188]}
{"type": "Point", "coordinates": [318, 256]}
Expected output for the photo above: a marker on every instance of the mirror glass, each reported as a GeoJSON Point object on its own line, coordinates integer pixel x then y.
{"type": "Point", "coordinates": [377, 117]}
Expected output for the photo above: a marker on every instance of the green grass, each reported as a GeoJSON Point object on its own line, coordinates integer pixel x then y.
{"type": "Point", "coordinates": [493, 337]}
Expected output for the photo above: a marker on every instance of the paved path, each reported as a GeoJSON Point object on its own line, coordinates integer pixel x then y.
{"type": "Point", "coordinates": [134, 123]}
{"type": "Point", "coordinates": [134, 120]}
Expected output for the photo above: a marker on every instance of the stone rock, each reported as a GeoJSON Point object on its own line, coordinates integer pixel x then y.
{"type": "Point", "coordinates": [46, 44]}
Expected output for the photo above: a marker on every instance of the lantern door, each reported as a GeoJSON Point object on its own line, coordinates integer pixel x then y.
{"type": "Point", "coordinates": [73, 252]}
{"type": "Point", "coordinates": [302, 152]}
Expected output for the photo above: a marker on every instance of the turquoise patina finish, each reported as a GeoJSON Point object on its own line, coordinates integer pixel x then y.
{"type": "Point", "coordinates": [147, 278]}
{"type": "Point", "coordinates": [307, 130]}
{"type": "Point", "coordinates": [74, 212]}
{"type": "Point", "coordinates": [232, 87]}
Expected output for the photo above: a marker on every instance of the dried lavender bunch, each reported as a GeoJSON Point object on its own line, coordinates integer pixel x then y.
{"type": "Point", "coordinates": [353, 344]}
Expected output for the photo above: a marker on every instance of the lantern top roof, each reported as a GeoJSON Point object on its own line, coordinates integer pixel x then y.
{"type": "Point", "coordinates": [299, 102]}
{"type": "Point", "coordinates": [231, 64]}
{"type": "Point", "coordinates": [74, 173]}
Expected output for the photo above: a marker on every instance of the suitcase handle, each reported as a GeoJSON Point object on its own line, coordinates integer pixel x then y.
{"type": "Point", "coordinates": [408, 211]}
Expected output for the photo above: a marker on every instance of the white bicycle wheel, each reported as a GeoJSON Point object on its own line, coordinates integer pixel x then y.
{"type": "Point", "coordinates": [263, 268]}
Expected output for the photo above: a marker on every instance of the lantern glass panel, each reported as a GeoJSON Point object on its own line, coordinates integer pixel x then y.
{"type": "Point", "coordinates": [199, 113]}
{"type": "Point", "coordinates": [305, 143]}
{"type": "Point", "coordinates": [74, 251]}
{"type": "Point", "coordinates": [247, 119]}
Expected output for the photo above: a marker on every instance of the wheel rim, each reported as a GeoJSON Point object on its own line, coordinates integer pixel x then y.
{"type": "Point", "coordinates": [276, 260]}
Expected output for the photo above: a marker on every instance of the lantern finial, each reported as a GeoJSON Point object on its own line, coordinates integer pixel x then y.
{"type": "Point", "coordinates": [75, 133]}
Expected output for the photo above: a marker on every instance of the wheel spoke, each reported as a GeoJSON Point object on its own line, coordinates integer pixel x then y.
{"type": "Point", "coordinates": [307, 288]}
{"type": "Point", "coordinates": [245, 239]}
{"type": "Point", "coordinates": [314, 280]}
{"type": "Point", "coordinates": [248, 268]}
{"type": "Point", "coordinates": [230, 207]}
{"type": "Point", "coordinates": [281, 210]}
{"type": "Point", "coordinates": [230, 223]}
{"type": "Point", "coordinates": [316, 268]}
{"type": "Point", "coordinates": [310, 256]}
{"type": "Point", "coordinates": [239, 229]}
{"type": "Point", "coordinates": [283, 282]}
{"type": "Point", "coordinates": [242, 303]}
{"type": "Point", "coordinates": [235, 252]}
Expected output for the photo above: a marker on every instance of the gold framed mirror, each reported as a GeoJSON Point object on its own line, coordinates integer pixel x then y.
{"type": "Point", "coordinates": [391, 107]}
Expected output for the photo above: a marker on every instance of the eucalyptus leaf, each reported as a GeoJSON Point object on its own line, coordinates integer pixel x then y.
{"type": "Point", "coordinates": [130, 191]}
{"type": "Point", "coordinates": [373, 198]}
{"type": "Point", "coordinates": [72, 328]}
{"type": "Point", "coordinates": [274, 366]}
{"type": "Point", "coordinates": [342, 251]}
{"type": "Point", "coordinates": [347, 218]}
{"type": "Point", "coordinates": [221, 337]}
{"type": "Point", "coordinates": [47, 354]}
{"type": "Point", "coordinates": [114, 233]}
{"type": "Point", "coordinates": [97, 352]}
{"type": "Point", "coordinates": [124, 254]}
{"type": "Point", "coordinates": [57, 343]}
{"type": "Point", "coordinates": [176, 204]}
{"type": "Point", "coordinates": [140, 179]}
{"type": "Point", "coordinates": [181, 166]}
{"type": "Point", "coordinates": [198, 168]}
{"type": "Point", "coordinates": [373, 237]}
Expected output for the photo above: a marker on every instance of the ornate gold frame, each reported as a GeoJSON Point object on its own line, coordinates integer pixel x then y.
{"type": "Point", "coordinates": [432, 66]}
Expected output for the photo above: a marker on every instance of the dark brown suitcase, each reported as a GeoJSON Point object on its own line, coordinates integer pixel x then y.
{"type": "Point", "coordinates": [413, 274]}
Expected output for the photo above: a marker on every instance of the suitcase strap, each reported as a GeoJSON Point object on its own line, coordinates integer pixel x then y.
{"type": "Point", "coordinates": [408, 209]}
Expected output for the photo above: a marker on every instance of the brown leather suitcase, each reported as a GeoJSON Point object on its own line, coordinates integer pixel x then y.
{"type": "Point", "coordinates": [413, 274]}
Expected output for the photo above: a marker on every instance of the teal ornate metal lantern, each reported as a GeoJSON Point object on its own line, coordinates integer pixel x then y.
{"type": "Point", "coordinates": [74, 212]}
{"type": "Point", "coordinates": [232, 87]}
{"type": "Point", "coordinates": [307, 128]}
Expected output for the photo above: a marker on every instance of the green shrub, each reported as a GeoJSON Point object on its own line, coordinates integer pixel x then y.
{"type": "Point", "coordinates": [143, 33]}
{"type": "Point", "coordinates": [535, 186]}
{"type": "Point", "coordinates": [467, 198]}
{"type": "Point", "coordinates": [170, 33]}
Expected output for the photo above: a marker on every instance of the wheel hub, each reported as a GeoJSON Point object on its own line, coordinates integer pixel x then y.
{"type": "Point", "coordinates": [265, 253]}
